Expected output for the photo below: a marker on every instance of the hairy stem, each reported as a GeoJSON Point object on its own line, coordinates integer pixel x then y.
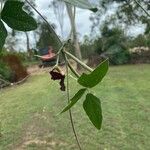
{"type": "Point", "coordinates": [58, 53]}
{"type": "Point", "coordinates": [72, 69]}
{"type": "Point", "coordinates": [78, 61]}
{"type": "Point", "coordinates": [68, 97]}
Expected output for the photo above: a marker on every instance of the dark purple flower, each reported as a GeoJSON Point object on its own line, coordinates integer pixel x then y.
{"type": "Point", "coordinates": [56, 74]}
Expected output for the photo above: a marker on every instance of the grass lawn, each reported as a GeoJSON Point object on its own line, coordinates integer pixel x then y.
{"type": "Point", "coordinates": [29, 120]}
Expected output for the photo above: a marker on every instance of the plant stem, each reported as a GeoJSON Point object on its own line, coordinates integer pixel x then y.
{"type": "Point", "coordinates": [78, 61]}
{"type": "Point", "coordinates": [72, 69]}
{"type": "Point", "coordinates": [68, 97]}
{"type": "Point", "coordinates": [50, 28]}
{"type": "Point", "coordinates": [142, 7]}
{"type": "Point", "coordinates": [58, 53]}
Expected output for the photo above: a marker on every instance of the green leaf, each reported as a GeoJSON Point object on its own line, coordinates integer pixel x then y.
{"type": "Point", "coordinates": [3, 34]}
{"type": "Point", "coordinates": [92, 107]}
{"type": "Point", "coordinates": [95, 77]}
{"type": "Point", "coordinates": [82, 4]}
{"type": "Point", "coordinates": [16, 18]}
{"type": "Point", "coordinates": [77, 96]}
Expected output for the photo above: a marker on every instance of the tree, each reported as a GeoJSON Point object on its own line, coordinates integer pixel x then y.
{"type": "Point", "coordinates": [71, 13]}
{"type": "Point", "coordinates": [128, 12]}
{"type": "Point", "coordinates": [31, 13]}
{"type": "Point", "coordinates": [140, 41]}
{"type": "Point", "coordinates": [58, 7]}
{"type": "Point", "coordinates": [59, 11]}
{"type": "Point", "coordinates": [112, 43]}
{"type": "Point", "coordinates": [11, 41]}
{"type": "Point", "coordinates": [45, 37]}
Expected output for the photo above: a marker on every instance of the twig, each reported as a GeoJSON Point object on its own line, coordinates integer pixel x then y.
{"type": "Point", "coordinates": [70, 113]}
{"type": "Point", "coordinates": [15, 83]}
{"type": "Point", "coordinates": [21, 81]}
{"type": "Point", "coordinates": [6, 82]}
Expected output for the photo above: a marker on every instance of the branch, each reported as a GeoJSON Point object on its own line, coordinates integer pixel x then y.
{"type": "Point", "coordinates": [6, 82]}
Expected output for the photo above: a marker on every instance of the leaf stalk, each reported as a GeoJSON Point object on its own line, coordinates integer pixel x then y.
{"type": "Point", "coordinates": [78, 61]}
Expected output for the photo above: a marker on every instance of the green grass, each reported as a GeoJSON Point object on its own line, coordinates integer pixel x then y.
{"type": "Point", "coordinates": [29, 120]}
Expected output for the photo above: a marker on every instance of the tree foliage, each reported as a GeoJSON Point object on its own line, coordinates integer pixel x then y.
{"type": "Point", "coordinates": [46, 38]}
{"type": "Point", "coordinates": [127, 12]}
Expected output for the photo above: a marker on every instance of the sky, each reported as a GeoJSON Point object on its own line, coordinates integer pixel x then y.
{"type": "Point", "coordinates": [82, 18]}
{"type": "Point", "coordinates": [82, 21]}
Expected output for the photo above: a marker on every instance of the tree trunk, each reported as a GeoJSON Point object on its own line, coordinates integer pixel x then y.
{"type": "Point", "coordinates": [74, 32]}
{"type": "Point", "coordinates": [28, 46]}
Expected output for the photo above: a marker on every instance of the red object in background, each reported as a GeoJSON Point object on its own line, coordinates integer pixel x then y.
{"type": "Point", "coordinates": [50, 56]}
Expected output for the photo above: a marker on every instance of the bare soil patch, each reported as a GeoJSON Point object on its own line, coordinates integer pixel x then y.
{"type": "Point", "coordinates": [38, 135]}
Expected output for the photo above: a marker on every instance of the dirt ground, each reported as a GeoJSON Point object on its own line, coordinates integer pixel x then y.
{"type": "Point", "coordinates": [36, 70]}
{"type": "Point", "coordinates": [37, 135]}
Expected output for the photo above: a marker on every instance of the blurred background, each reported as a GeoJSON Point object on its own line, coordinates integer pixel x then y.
{"type": "Point", "coordinates": [120, 31]}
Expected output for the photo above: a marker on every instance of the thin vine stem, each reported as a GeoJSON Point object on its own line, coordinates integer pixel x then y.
{"type": "Point", "coordinates": [68, 97]}
{"type": "Point", "coordinates": [50, 28]}
{"type": "Point", "coordinates": [142, 7]}
{"type": "Point", "coordinates": [72, 69]}
{"type": "Point", "coordinates": [78, 61]}
{"type": "Point", "coordinates": [58, 53]}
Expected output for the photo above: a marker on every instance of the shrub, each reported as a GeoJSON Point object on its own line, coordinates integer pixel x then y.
{"type": "Point", "coordinates": [5, 71]}
{"type": "Point", "coordinates": [94, 60]}
{"type": "Point", "coordinates": [118, 55]}
{"type": "Point", "coordinates": [87, 50]}
{"type": "Point", "coordinates": [140, 55]}
{"type": "Point", "coordinates": [18, 71]}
